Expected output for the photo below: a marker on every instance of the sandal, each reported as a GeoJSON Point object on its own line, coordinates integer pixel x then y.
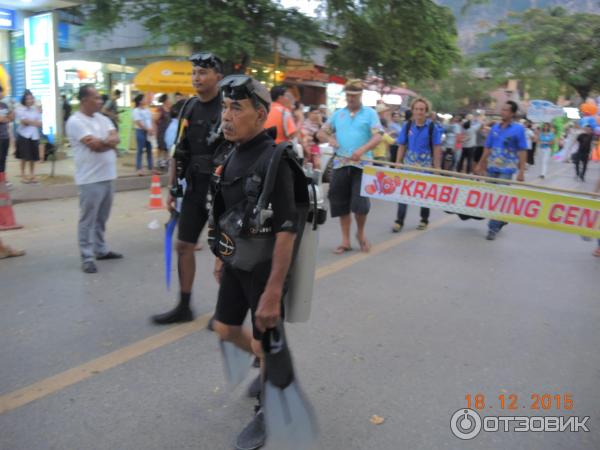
{"type": "Point", "coordinates": [340, 250]}
{"type": "Point", "coordinates": [365, 245]}
{"type": "Point", "coordinates": [8, 252]}
{"type": "Point", "coordinates": [597, 252]}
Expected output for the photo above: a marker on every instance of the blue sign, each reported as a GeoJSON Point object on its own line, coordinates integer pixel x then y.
{"type": "Point", "coordinates": [7, 19]}
{"type": "Point", "coordinates": [17, 63]}
{"type": "Point", "coordinates": [68, 36]}
{"type": "Point", "coordinates": [63, 35]}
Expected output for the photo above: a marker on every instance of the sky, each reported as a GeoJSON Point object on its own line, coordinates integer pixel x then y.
{"type": "Point", "coordinates": [305, 6]}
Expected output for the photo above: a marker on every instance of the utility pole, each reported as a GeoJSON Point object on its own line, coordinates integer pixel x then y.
{"type": "Point", "coordinates": [276, 57]}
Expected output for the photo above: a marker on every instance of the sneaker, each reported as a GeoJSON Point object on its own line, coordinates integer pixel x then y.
{"type": "Point", "coordinates": [254, 435]}
{"type": "Point", "coordinates": [491, 235]}
{"type": "Point", "coordinates": [397, 228]}
{"type": "Point", "coordinates": [178, 314]}
{"type": "Point", "coordinates": [109, 255]}
{"type": "Point", "coordinates": [255, 388]}
{"type": "Point", "coordinates": [89, 267]}
{"type": "Point", "coordinates": [422, 225]}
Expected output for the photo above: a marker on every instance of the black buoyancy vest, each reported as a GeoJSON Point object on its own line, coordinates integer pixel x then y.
{"type": "Point", "coordinates": [243, 236]}
{"type": "Point", "coordinates": [205, 134]}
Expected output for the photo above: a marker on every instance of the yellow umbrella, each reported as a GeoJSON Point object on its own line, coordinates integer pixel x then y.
{"type": "Point", "coordinates": [166, 76]}
{"type": "Point", "coordinates": [5, 80]}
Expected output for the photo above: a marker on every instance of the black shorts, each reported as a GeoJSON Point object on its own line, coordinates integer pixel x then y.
{"type": "Point", "coordinates": [194, 214]}
{"type": "Point", "coordinates": [344, 192]}
{"type": "Point", "coordinates": [239, 292]}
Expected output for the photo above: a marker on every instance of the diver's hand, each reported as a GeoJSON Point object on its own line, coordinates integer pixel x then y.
{"type": "Point", "coordinates": [268, 312]}
{"type": "Point", "coordinates": [171, 202]}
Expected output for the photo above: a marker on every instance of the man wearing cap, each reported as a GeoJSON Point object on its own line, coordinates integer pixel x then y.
{"type": "Point", "coordinates": [193, 160]}
{"type": "Point", "coordinates": [245, 107]}
{"type": "Point", "coordinates": [353, 132]}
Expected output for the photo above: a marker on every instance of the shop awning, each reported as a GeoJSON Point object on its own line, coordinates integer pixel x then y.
{"type": "Point", "coordinates": [165, 77]}
{"type": "Point", "coordinates": [377, 84]}
{"type": "Point", "coordinates": [302, 75]}
{"type": "Point", "coordinates": [337, 79]}
{"type": "Point", "coordinates": [393, 90]}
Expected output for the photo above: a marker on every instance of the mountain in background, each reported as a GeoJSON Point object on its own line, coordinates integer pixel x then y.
{"type": "Point", "coordinates": [479, 19]}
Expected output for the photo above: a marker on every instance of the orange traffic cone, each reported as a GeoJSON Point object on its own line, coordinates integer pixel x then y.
{"type": "Point", "coordinates": [156, 200]}
{"type": "Point", "coordinates": [7, 217]}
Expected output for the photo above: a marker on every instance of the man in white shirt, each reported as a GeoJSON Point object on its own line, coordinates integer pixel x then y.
{"type": "Point", "coordinates": [94, 139]}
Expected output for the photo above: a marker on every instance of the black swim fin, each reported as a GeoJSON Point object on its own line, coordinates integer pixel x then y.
{"type": "Point", "coordinates": [289, 417]}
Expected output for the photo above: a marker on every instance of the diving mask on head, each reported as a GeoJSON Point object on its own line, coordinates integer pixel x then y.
{"type": "Point", "coordinates": [207, 60]}
{"type": "Point", "coordinates": [241, 87]}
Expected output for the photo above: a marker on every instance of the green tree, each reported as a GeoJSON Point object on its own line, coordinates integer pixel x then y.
{"type": "Point", "coordinates": [459, 92]}
{"type": "Point", "coordinates": [541, 45]}
{"type": "Point", "coordinates": [395, 40]}
{"type": "Point", "coordinates": [237, 30]}
{"type": "Point", "coordinates": [468, 4]}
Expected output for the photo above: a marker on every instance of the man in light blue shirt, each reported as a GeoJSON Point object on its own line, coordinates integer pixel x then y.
{"type": "Point", "coordinates": [353, 131]}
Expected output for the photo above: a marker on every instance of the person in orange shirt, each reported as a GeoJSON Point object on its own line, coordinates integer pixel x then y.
{"type": "Point", "coordinates": [280, 116]}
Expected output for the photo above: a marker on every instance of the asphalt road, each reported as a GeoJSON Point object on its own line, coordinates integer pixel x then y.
{"type": "Point", "coordinates": [405, 333]}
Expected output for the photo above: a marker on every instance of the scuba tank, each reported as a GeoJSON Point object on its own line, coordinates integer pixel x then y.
{"type": "Point", "coordinates": [302, 272]}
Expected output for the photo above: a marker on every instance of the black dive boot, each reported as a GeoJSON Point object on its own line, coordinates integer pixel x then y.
{"type": "Point", "coordinates": [181, 313]}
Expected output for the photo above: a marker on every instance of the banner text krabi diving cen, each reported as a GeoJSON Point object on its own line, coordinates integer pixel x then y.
{"type": "Point", "coordinates": [526, 206]}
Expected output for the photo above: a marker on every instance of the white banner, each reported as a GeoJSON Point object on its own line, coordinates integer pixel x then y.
{"type": "Point", "coordinates": [541, 111]}
{"type": "Point", "coordinates": [499, 201]}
